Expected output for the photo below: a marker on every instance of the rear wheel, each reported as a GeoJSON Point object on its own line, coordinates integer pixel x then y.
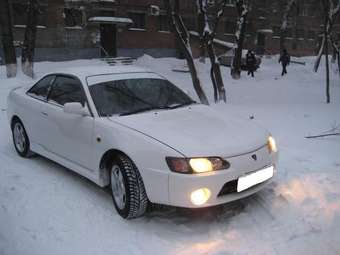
{"type": "Point", "coordinates": [127, 187]}
{"type": "Point", "coordinates": [20, 139]}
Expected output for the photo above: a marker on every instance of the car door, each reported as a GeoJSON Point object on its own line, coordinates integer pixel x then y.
{"type": "Point", "coordinates": [34, 117]}
{"type": "Point", "coordinates": [70, 136]}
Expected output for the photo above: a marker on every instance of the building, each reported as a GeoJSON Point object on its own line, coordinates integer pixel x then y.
{"type": "Point", "coordinates": [69, 29]}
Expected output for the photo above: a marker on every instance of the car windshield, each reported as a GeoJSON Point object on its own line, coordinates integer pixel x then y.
{"type": "Point", "coordinates": [132, 96]}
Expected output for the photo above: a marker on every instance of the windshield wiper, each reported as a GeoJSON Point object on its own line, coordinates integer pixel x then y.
{"type": "Point", "coordinates": [167, 107]}
{"type": "Point", "coordinates": [145, 110]}
{"type": "Point", "coordinates": [182, 104]}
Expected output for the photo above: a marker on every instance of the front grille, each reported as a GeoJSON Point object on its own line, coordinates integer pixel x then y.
{"type": "Point", "coordinates": [228, 188]}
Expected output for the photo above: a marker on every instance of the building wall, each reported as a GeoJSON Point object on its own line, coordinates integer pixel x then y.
{"type": "Point", "coordinates": [61, 37]}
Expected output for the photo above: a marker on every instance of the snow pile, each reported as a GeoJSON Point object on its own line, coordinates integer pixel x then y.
{"type": "Point", "coordinates": [46, 209]}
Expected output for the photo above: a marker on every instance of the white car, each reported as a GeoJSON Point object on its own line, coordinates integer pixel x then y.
{"type": "Point", "coordinates": [134, 131]}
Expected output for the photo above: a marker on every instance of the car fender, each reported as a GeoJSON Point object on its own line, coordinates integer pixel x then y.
{"type": "Point", "coordinates": [147, 153]}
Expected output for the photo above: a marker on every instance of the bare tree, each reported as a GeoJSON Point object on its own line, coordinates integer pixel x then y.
{"type": "Point", "coordinates": [330, 12]}
{"type": "Point", "coordinates": [27, 57]}
{"type": "Point", "coordinates": [201, 26]}
{"type": "Point", "coordinates": [242, 7]}
{"type": "Point", "coordinates": [326, 10]}
{"type": "Point", "coordinates": [336, 55]}
{"type": "Point", "coordinates": [182, 36]}
{"type": "Point", "coordinates": [7, 39]}
{"type": "Point", "coordinates": [284, 25]}
{"type": "Point", "coordinates": [207, 35]}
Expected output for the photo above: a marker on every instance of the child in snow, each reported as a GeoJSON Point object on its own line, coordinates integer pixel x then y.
{"type": "Point", "coordinates": [250, 62]}
{"type": "Point", "coordinates": [284, 60]}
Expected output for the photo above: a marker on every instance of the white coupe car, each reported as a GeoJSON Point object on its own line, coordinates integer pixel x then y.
{"type": "Point", "coordinates": [134, 131]}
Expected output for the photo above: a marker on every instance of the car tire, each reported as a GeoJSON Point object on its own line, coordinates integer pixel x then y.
{"type": "Point", "coordinates": [127, 188]}
{"type": "Point", "coordinates": [20, 139]}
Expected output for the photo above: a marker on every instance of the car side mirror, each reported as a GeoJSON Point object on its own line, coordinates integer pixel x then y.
{"type": "Point", "coordinates": [76, 108]}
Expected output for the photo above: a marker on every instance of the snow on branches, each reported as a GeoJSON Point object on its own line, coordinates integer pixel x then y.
{"type": "Point", "coordinates": [242, 7]}
{"type": "Point", "coordinates": [183, 37]}
{"type": "Point", "coordinates": [209, 15]}
{"type": "Point", "coordinates": [331, 13]}
{"type": "Point", "coordinates": [288, 8]}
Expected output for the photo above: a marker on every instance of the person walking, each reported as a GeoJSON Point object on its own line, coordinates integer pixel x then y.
{"type": "Point", "coordinates": [285, 61]}
{"type": "Point", "coordinates": [250, 62]}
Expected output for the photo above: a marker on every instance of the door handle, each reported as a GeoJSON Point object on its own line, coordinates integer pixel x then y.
{"type": "Point", "coordinates": [44, 113]}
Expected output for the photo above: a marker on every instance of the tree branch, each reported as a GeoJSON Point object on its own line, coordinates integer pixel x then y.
{"type": "Point", "coordinates": [184, 42]}
{"type": "Point", "coordinates": [318, 136]}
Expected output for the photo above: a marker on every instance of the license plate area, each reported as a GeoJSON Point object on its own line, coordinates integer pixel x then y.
{"type": "Point", "coordinates": [252, 179]}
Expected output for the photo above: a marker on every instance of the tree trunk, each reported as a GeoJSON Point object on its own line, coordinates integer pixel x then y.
{"type": "Point", "coordinates": [27, 57]}
{"type": "Point", "coordinates": [327, 69]}
{"type": "Point", "coordinates": [327, 26]}
{"type": "Point", "coordinates": [338, 57]}
{"type": "Point", "coordinates": [183, 39]}
{"type": "Point", "coordinates": [282, 39]}
{"type": "Point", "coordinates": [330, 15]}
{"type": "Point", "coordinates": [7, 39]}
{"type": "Point", "coordinates": [318, 58]}
{"type": "Point", "coordinates": [215, 73]}
{"type": "Point", "coordinates": [333, 59]}
{"type": "Point", "coordinates": [284, 24]}
{"type": "Point", "coordinates": [208, 24]}
{"type": "Point", "coordinates": [241, 28]}
{"type": "Point", "coordinates": [201, 24]}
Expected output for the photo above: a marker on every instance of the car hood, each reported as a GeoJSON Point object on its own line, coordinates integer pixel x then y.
{"type": "Point", "coordinates": [198, 131]}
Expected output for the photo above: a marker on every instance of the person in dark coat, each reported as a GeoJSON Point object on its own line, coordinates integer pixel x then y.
{"type": "Point", "coordinates": [250, 62]}
{"type": "Point", "coordinates": [285, 61]}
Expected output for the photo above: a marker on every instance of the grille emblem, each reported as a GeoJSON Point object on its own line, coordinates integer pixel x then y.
{"type": "Point", "coordinates": [254, 157]}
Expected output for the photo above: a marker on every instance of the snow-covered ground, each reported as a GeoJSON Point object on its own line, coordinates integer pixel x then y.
{"type": "Point", "coordinates": [46, 209]}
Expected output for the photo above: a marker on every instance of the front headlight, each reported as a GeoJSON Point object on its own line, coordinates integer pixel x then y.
{"type": "Point", "coordinates": [271, 145]}
{"type": "Point", "coordinates": [201, 165]}
{"type": "Point", "coordinates": [196, 165]}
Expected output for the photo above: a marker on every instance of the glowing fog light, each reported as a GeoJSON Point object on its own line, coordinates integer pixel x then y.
{"type": "Point", "coordinates": [201, 165]}
{"type": "Point", "coordinates": [271, 144]}
{"type": "Point", "coordinates": [200, 196]}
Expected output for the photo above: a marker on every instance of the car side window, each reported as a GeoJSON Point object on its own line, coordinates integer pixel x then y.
{"type": "Point", "coordinates": [66, 90]}
{"type": "Point", "coordinates": [41, 88]}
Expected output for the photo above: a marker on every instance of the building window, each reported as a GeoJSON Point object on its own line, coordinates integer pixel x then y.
{"type": "Point", "coordinates": [73, 17]}
{"type": "Point", "coordinates": [188, 5]}
{"type": "Point", "coordinates": [230, 2]}
{"type": "Point", "coordinates": [42, 17]}
{"type": "Point", "coordinates": [163, 23]}
{"type": "Point", "coordinates": [230, 27]}
{"type": "Point", "coordinates": [289, 33]}
{"type": "Point", "coordinates": [306, 10]}
{"type": "Point", "coordinates": [20, 14]}
{"type": "Point", "coordinates": [261, 4]}
{"type": "Point", "coordinates": [300, 33]}
{"type": "Point", "coordinates": [276, 31]}
{"type": "Point", "coordinates": [189, 23]}
{"type": "Point", "coordinates": [138, 20]}
{"type": "Point", "coordinates": [311, 35]}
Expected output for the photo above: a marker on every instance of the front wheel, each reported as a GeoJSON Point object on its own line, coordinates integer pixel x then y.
{"type": "Point", "coordinates": [127, 187]}
{"type": "Point", "coordinates": [20, 139]}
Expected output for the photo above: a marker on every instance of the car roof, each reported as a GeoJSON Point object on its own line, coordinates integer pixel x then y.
{"type": "Point", "coordinates": [82, 72]}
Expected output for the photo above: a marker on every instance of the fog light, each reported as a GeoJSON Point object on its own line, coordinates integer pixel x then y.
{"type": "Point", "coordinates": [200, 196]}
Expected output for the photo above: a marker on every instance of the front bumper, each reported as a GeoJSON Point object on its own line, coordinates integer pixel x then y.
{"type": "Point", "coordinates": [222, 187]}
{"type": "Point", "coordinates": [222, 184]}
